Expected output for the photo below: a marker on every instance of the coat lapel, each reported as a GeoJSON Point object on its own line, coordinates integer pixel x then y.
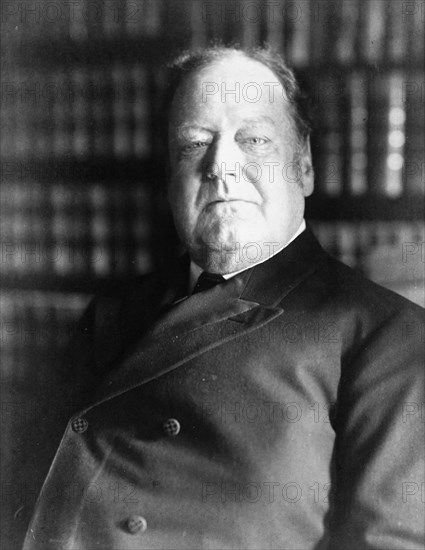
{"type": "Point", "coordinates": [195, 324]}
{"type": "Point", "coordinates": [274, 279]}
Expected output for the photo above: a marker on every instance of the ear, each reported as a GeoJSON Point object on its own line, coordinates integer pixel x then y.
{"type": "Point", "coordinates": [306, 166]}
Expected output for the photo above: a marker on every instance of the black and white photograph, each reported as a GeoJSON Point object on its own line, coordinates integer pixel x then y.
{"type": "Point", "coordinates": [212, 275]}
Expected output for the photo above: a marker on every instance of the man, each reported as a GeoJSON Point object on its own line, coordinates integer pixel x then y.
{"type": "Point", "coordinates": [271, 402]}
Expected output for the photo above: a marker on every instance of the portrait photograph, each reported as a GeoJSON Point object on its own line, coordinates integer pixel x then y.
{"type": "Point", "coordinates": [212, 275]}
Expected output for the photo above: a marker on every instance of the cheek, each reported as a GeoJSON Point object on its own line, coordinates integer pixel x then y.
{"type": "Point", "coordinates": [180, 183]}
{"type": "Point", "coordinates": [181, 197]}
{"type": "Point", "coordinates": [281, 198]}
{"type": "Point", "coordinates": [176, 197]}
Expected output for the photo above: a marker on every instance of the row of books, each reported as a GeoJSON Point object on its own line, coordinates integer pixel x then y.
{"type": "Point", "coordinates": [391, 254]}
{"type": "Point", "coordinates": [322, 30]}
{"type": "Point", "coordinates": [74, 230]}
{"type": "Point", "coordinates": [384, 251]}
{"type": "Point", "coordinates": [82, 112]}
{"type": "Point", "coordinates": [36, 327]}
{"type": "Point", "coordinates": [370, 132]}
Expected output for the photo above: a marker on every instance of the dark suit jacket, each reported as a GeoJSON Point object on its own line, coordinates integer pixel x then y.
{"type": "Point", "coordinates": [297, 387]}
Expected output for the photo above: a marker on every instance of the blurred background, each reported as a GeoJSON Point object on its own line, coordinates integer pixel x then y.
{"type": "Point", "coordinates": [82, 170]}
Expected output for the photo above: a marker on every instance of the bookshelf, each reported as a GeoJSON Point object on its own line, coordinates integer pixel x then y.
{"type": "Point", "coordinates": [82, 196]}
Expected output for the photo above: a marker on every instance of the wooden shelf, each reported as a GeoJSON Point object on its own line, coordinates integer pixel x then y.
{"type": "Point", "coordinates": [53, 283]}
{"type": "Point", "coordinates": [97, 51]}
{"type": "Point", "coordinates": [80, 171]}
{"type": "Point", "coordinates": [155, 50]}
{"type": "Point", "coordinates": [365, 208]}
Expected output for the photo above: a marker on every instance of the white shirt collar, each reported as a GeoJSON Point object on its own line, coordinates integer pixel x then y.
{"type": "Point", "coordinates": [195, 270]}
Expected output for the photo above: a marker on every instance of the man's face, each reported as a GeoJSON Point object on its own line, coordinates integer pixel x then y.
{"type": "Point", "coordinates": [236, 185]}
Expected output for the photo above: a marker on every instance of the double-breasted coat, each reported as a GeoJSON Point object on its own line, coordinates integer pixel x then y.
{"type": "Point", "coordinates": [280, 409]}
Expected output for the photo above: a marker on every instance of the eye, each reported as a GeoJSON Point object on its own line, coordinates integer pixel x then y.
{"type": "Point", "coordinates": [256, 141]}
{"type": "Point", "coordinates": [194, 145]}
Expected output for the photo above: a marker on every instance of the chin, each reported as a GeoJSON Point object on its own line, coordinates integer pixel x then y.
{"type": "Point", "coordinates": [220, 248]}
{"type": "Point", "coordinates": [224, 234]}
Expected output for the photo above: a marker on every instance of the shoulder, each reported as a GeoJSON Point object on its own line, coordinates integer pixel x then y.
{"type": "Point", "coordinates": [369, 318]}
{"type": "Point", "coordinates": [357, 310]}
{"type": "Point", "coordinates": [354, 292]}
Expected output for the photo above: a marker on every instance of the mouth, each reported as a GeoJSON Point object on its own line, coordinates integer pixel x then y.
{"type": "Point", "coordinates": [227, 201]}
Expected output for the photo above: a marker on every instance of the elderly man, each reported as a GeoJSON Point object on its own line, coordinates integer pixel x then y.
{"type": "Point", "coordinates": [257, 394]}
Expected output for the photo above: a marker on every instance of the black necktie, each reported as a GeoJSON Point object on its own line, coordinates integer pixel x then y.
{"type": "Point", "coordinates": [207, 281]}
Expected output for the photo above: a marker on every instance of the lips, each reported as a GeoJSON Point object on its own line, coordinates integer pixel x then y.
{"type": "Point", "coordinates": [226, 201]}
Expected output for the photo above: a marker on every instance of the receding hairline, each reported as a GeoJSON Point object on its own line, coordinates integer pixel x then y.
{"type": "Point", "coordinates": [193, 61]}
{"type": "Point", "coordinates": [222, 58]}
{"type": "Point", "coordinates": [181, 92]}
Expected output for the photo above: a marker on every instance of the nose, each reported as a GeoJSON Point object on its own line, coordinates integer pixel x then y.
{"type": "Point", "coordinates": [224, 163]}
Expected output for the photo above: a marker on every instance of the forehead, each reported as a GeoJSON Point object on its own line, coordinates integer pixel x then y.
{"type": "Point", "coordinates": [230, 88]}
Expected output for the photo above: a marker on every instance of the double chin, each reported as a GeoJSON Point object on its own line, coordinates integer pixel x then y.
{"type": "Point", "coordinates": [220, 245]}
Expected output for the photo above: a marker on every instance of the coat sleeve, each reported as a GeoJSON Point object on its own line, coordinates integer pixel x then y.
{"type": "Point", "coordinates": [378, 496]}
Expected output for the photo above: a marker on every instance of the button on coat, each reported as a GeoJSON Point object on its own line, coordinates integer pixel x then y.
{"type": "Point", "coordinates": [79, 425]}
{"type": "Point", "coordinates": [136, 524]}
{"type": "Point", "coordinates": [171, 427]}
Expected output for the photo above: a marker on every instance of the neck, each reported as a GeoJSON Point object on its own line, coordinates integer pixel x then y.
{"type": "Point", "coordinates": [236, 257]}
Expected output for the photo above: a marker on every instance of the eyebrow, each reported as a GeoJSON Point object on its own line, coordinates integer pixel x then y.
{"type": "Point", "coordinates": [185, 127]}
{"type": "Point", "coordinates": [260, 119]}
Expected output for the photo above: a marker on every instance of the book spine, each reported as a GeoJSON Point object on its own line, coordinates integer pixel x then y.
{"type": "Point", "coordinates": [102, 105]}
{"type": "Point", "coordinates": [251, 16]}
{"type": "Point", "coordinates": [134, 18]}
{"type": "Point", "coordinates": [62, 115]}
{"type": "Point", "coordinates": [141, 229]}
{"type": "Point", "coordinates": [100, 231]}
{"type": "Point", "coordinates": [112, 20]}
{"type": "Point", "coordinates": [396, 138]}
{"type": "Point", "coordinates": [324, 27]}
{"type": "Point", "coordinates": [330, 101]}
{"type": "Point", "coordinates": [386, 134]}
{"type": "Point", "coordinates": [373, 24]}
{"type": "Point", "coordinates": [122, 120]}
{"type": "Point", "coordinates": [80, 113]}
{"type": "Point", "coordinates": [154, 16]}
{"type": "Point", "coordinates": [10, 98]}
{"type": "Point", "coordinates": [347, 36]}
{"type": "Point", "coordinates": [198, 32]}
{"type": "Point", "coordinates": [413, 97]}
{"type": "Point", "coordinates": [78, 29]}
{"type": "Point", "coordinates": [396, 47]}
{"type": "Point", "coordinates": [300, 24]}
{"type": "Point", "coordinates": [413, 15]}
{"type": "Point", "coordinates": [141, 119]}
{"type": "Point", "coordinates": [276, 27]}
{"type": "Point", "coordinates": [9, 338]}
{"type": "Point", "coordinates": [145, 18]}
{"type": "Point", "coordinates": [357, 90]}
{"type": "Point", "coordinates": [28, 101]}
{"type": "Point", "coordinates": [119, 224]}
{"type": "Point", "coordinates": [62, 230]}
